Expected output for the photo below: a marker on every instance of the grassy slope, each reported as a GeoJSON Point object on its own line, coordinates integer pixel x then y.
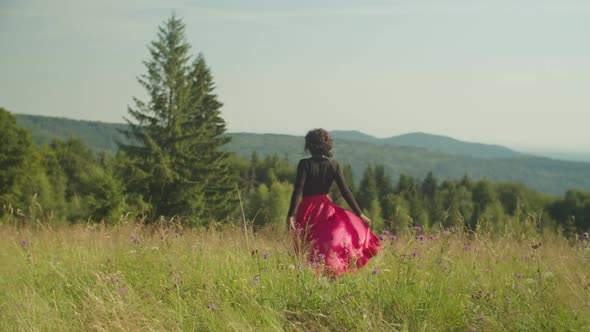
{"type": "Point", "coordinates": [95, 278]}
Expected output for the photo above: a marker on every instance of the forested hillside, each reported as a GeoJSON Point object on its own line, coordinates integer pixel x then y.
{"type": "Point", "coordinates": [66, 180]}
{"type": "Point", "coordinates": [544, 174]}
{"type": "Point", "coordinates": [357, 149]}
{"type": "Point", "coordinates": [100, 136]}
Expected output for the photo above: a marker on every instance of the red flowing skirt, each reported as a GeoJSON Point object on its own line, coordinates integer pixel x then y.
{"type": "Point", "coordinates": [335, 240]}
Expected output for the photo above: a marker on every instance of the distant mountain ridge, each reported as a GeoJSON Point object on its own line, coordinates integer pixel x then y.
{"type": "Point", "coordinates": [448, 158]}
{"type": "Point", "coordinates": [432, 142]}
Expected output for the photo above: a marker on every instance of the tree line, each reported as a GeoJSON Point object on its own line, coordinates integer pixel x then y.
{"type": "Point", "coordinates": [71, 182]}
{"type": "Point", "coordinates": [172, 166]}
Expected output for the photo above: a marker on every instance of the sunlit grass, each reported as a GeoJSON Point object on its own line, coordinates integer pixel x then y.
{"type": "Point", "coordinates": [135, 278]}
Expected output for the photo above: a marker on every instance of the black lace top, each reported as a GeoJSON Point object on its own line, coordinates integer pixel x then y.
{"type": "Point", "coordinates": [315, 176]}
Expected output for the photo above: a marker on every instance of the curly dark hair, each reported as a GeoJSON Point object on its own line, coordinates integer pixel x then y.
{"type": "Point", "coordinates": [319, 142]}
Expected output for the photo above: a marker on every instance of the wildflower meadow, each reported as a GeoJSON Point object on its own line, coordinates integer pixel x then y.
{"type": "Point", "coordinates": [230, 278]}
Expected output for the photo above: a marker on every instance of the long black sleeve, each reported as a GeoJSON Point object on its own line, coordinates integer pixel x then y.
{"type": "Point", "coordinates": [339, 178]}
{"type": "Point", "coordinates": [297, 188]}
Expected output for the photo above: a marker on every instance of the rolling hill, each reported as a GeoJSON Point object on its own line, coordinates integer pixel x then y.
{"type": "Point", "coordinates": [412, 154]}
{"type": "Point", "coordinates": [431, 142]}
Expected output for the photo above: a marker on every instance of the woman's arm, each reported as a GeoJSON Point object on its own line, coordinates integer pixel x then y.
{"type": "Point", "coordinates": [297, 189]}
{"type": "Point", "coordinates": [348, 197]}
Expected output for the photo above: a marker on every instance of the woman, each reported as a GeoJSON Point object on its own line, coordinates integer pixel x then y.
{"type": "Point", "coordinates": [336, 239]}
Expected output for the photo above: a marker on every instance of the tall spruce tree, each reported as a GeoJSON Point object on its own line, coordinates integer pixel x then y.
{"type": "Point", "coordinates": [384, 188]}
{"type": "Point", "coordinates": [368, 190]}
{"type": "Point", "coordinates": [23, 181]}
{"type": "Point", "coordinates": [176, 135]}
{"type": "Point", "coordinates": [16, 155]}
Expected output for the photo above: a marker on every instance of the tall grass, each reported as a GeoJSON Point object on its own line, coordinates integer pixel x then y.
{"type": "Point", "coordinates": [137, 278]}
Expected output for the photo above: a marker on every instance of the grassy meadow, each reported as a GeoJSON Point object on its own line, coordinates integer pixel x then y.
{"type": "Point", "coordinates": [138, 278]}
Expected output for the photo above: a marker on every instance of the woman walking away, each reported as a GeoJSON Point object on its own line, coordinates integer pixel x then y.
{"type": "Point", "coordinates": [336, 240]}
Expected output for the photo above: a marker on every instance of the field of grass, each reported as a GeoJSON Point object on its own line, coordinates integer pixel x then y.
{"type": "Point", "coordinates": [137, 278]}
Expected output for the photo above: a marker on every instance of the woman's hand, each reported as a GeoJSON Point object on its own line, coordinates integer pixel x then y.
{"type": "Point", "coordinates": [291, 222]}
{"type": "Point", "coordinates": [366, 219]}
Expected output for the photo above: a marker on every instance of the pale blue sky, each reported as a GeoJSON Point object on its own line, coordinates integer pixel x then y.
{"type": "Point", "coordinates": [508, 72]}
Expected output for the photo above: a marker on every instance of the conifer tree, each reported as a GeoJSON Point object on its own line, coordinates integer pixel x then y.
{"type": "Point", "coordinates": [22, 178]}
{"type": "Point", "coordinates": [176, 135]}
{"type": "Point", "coordinates": [335, 193]}
{"type": "Point", "coordinates": [400, 220]}
{"type": "Point", "coordinates": [349, 178]}
{"type": "Point", "coordinates": [432, 202]}
{"type": "Point", "coordinates": [89, 187]}
{"type": "Point", "coordinates": [16, 155]}
{"type": "Point", "coordinates": [384, 189]}
{"type": "Point", "coordinates": [483, 194]}
{"type": "Point", "coordinates": [429, 186]}
{"type": "Point", "coordinates": [368, 190]}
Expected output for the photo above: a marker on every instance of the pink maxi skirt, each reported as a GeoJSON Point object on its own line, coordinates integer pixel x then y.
{"type": "Point", "coordinates": [334, 239]}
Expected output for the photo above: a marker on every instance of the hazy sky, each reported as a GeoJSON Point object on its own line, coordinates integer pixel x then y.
{"type": "Point", "coordinates": [508, 72]}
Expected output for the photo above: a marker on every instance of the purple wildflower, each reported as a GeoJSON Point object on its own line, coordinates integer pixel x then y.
{"type": "Point", "coordinates": [375, 271]}
{"type": "Point", "coordinates": [446, 232]}
{"type": "Point", "coordinates": [212, 306]}
{"type": "Point", "coordinates": [482, 318]}
{"type": "Point", "coordinates": [385, 233]}
{"type": "Point", "coordinates": [322, 257]}
{"type": "Point", "coordinates": [393, 237]}
{"type": "Point", "coordinates": [114, 279]}
{"type": "Point", "coordinates": [381, 238]}
{"type": "Point", "coordinates": [24, 242]}
{"type": "Point", "coordinates": [480, 294]}
{"type": "Point", "coordinates": [519, 275]}
{"type": "Point", "coordinates": [265, 254]}
{"type": "Point", "coordinates": [418, 228]}
{"type": "Point", "coordinates": [415, 254]}
{"type": "Point", "coordinates": [134, 239]}
{"type": "Point", "coordinates": [123, 290]}
{"type": "Point", "coordinates": [420, 237]}
{"type": "Point", "coordinates": [467, 247]}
